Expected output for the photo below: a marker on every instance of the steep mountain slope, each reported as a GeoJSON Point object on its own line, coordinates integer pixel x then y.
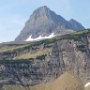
{"type": "Point", "coordinates": [32, 63]}
{"type": "Point", "coordinates": [43, 22]}
{"type": "Point", "coordinates": [74, 25]}
{"type": "Point", "coordinates": [67, 81]}
{"type": "Point", "coordinates": [62, 83]}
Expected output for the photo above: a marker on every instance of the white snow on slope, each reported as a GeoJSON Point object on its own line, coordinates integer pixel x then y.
{"type": "Point", "coordinates": [40, 37]}
{"type": "Point", "coordinates": [87, 84]}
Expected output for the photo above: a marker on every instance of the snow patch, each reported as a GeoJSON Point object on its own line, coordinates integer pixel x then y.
{"type": "Point", "coordinates": [87, 84]}
{"type": "Point", "coordinates": [40, 37]}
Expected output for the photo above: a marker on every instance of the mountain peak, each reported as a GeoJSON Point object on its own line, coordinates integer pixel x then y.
{"type": "Point", "coordinates": [76, 24]}
{"type": "Point", "coordinates": [43, 11]}
{"type": "Point", "coordinates": [44, 22]}
{"type": "Point", "coordinates": [44, 7]}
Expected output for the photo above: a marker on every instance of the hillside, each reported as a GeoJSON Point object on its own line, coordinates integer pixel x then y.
{"type": "Point", "coordinates": [26, 50]}
{"type": "Point", "coordinates": [32, 63]}
{"type": "Point", "coordinates": [61, 83]}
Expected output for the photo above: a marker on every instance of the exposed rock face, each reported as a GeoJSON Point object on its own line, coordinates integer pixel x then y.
{"type": "Point", "coordinates": [74, 25]}
{"type": "Point", "coordinates": [43, 22]}
{"type": "Point", "coordinates": [1, 87]}
{"type": "Point", "coordinates": [65, 55]}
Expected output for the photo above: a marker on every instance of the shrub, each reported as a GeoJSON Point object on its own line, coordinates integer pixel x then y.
{"type": "Point", "coordinates": [41, 57]}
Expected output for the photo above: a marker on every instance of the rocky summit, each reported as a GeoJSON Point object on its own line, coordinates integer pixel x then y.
{"type": "Point", "coordinates": [44, 21]}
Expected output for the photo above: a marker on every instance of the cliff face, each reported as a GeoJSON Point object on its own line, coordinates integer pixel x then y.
{"type": "Point", "coordinates": [56, 57]}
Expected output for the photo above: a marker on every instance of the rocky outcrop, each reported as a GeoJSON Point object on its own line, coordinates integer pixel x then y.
{"type": "Point", "coordinates": [65, 55]}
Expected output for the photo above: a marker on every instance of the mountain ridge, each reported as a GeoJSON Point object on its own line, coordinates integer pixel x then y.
{"type": "Point", "coordinates": [44, 21]}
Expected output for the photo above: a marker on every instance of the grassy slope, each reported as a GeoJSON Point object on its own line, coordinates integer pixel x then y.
{"type": "Point", "coordinates": [10, 48]}
{"type": "Point", "coordinates": [15, 47]}
{"type": "Point", "coordinates": [87, 88]}
{"type": "Point", "coordinates": [33, 54]}
{"type": "Point", "coordinates": [67, 81]}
